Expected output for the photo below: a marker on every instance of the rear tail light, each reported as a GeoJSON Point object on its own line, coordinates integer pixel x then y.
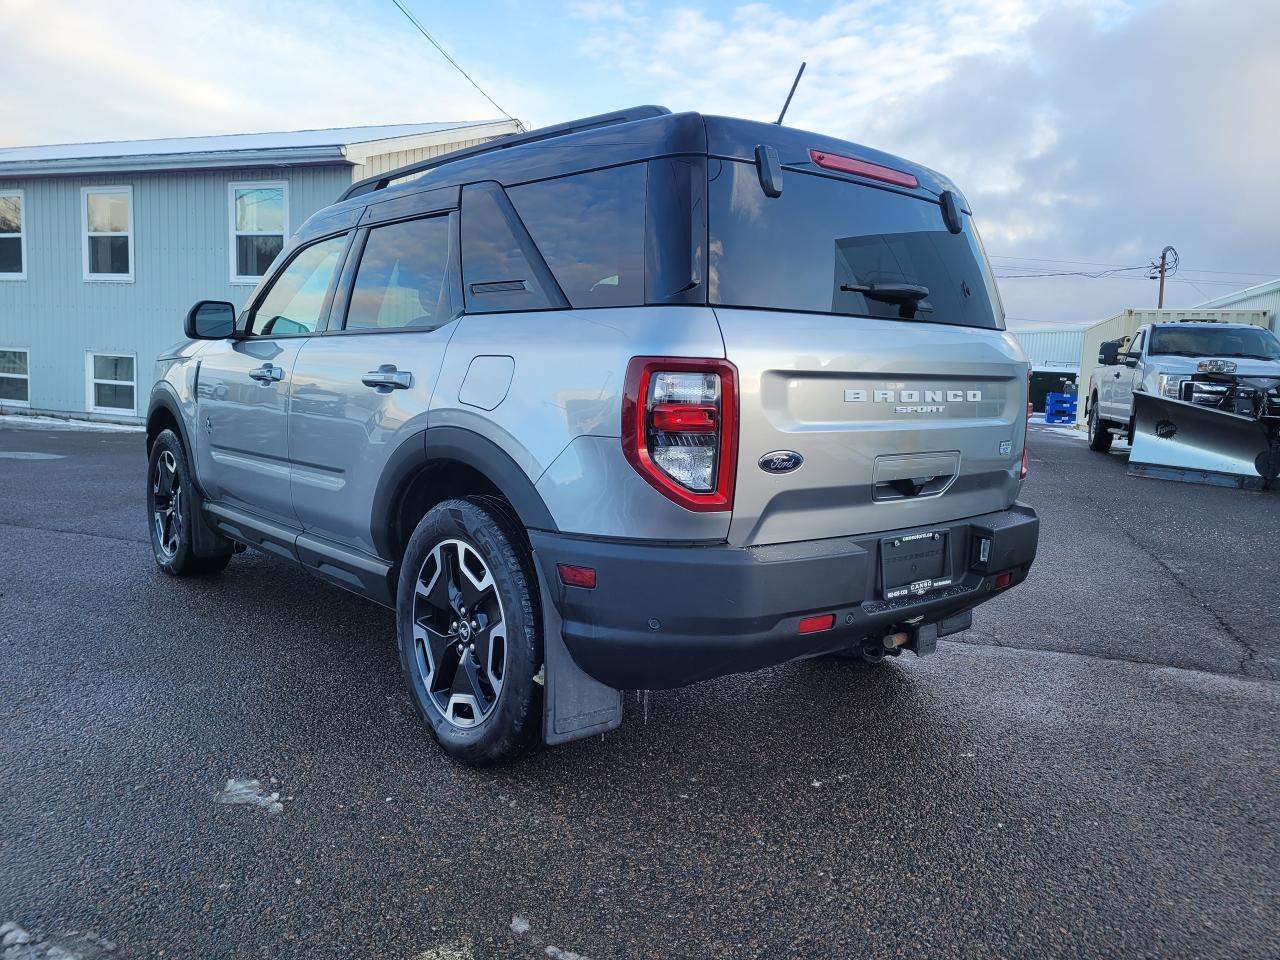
{"type": "Point", "coordinates": [680, 429]}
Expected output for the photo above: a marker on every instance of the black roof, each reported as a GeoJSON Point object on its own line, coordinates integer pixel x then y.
{"type": "Point", "coordinates": [626, 136]}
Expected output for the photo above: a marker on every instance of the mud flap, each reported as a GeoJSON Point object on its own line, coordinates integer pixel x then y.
{"type": "Point", "coordinates": [1193, 443]}
{"type": "Point", "coordinates": [575, 705]}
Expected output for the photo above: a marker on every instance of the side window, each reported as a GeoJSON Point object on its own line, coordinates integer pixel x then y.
{"type": "Point", "coordinates": [501, 268]}
{"type": "Point", "coordinates": [296, 298]}
{"type": "Point", "coordinates": [403, 278]}
{"type": "Point", "coordinates": [589, 228]}
{"type": "Point", "coordinates": [1135, 348]}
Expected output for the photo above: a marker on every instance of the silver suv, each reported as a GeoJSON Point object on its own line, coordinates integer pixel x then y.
{"type": "Point", "coordinates": [627, 403]}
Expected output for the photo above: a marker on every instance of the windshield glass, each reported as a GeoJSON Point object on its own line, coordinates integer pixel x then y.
{"type": "Point", "coordinates": [831, 246]}
{"type": "Point", "coordinates": [1255, 342]}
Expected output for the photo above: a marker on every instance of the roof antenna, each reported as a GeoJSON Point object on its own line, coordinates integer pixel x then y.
{"type": "Point", "coordinates": [794, 83]}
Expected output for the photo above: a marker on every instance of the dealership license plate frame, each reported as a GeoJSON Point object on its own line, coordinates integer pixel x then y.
{"type": "Point", "coordinates": [933, 571]}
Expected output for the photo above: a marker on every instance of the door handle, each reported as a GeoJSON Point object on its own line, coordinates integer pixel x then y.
{"type": "Point", "coordinates": [387, 378]}
{"type": "Point", "coordinates": [267, 373]}
{"type": "Point", "coordinates": [1117, 374]}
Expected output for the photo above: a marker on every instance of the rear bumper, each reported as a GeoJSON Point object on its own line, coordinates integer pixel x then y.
{"type": "Point", "coordinates": [666, 616]}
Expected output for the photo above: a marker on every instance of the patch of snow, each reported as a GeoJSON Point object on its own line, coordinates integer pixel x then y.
{"type": "Point", "coordinates": [18, 944]}
{"type": "Point", "coordinates": [447, 951]}
{"type": "Point", "coordinates": [41, 422]}
{"type": "Point", "coordinates": [250, 793]}
{"type": "Point", "coordinates": [29, 455]}
{"type": "Point", "coordinates": [555, 953]}
{"type": "Point", "coordinates": [519, 925]}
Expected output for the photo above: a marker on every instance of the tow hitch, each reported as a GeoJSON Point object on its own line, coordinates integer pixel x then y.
{"type": "Point", "coordinates": [1224, 430]}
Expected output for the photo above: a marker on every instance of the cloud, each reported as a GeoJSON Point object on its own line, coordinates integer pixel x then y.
{"type": "Point", "coordinates": [1091, 131]}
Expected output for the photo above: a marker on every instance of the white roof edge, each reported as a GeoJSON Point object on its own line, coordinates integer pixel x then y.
{"type": "Point", "coordinates": [1258, 288]}
{"type": "Point", "coordinates": [213, 159]}
{"type": "Point", "coordinates": [203, 153]}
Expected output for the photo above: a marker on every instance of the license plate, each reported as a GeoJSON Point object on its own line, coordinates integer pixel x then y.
{"type": "Point", "coordinates": [914, 564]}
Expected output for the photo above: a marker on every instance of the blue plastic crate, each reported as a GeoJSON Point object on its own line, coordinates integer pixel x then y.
{"type": "Point", "coordinates": [1060, 408]}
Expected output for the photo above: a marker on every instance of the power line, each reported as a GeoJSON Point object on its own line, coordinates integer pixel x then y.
{"type": "Point", "coordinates": [1095, 263]}
{"type": "Point", "coordinates": [423, 30]}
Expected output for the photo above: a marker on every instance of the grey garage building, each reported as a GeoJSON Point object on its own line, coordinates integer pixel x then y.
{"type": "Point", "coordinates": [104, 246]}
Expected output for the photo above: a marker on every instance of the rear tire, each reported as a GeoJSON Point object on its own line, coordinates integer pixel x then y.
{"type": "Point", "coordinates": [1100, 436]}
{"type": "Point", "coordinates": [172, 500]}
{"type": "Point", "coordinates": [469, 632]}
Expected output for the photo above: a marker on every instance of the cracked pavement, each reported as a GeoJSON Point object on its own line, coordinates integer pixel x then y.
{"type": "Point", "coordinates": [1091, 771]}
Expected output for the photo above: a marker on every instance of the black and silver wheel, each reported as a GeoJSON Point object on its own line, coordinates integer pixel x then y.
{"type": "Point", "coordinates": [469, 637]}
{"type": "Point", "coordinates": [1100, 435]}
{"type": "Point", "coordinates": [170, 502]}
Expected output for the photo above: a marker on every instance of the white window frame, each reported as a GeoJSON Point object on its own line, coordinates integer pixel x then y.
{"type": "Point", "coordinates": [84, 237]}
{"type": "Point", "coordinates": [18, 376]}
{"type": "Point", "coordinates": [21, 235]}
{"type": "Point", "coordinates": [232, 232]}
{"type": "Point", "coordinates": [90, 380]}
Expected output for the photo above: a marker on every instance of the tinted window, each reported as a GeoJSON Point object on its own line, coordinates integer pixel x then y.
{"type": "Point", "coordinates": [402, 281]}
{"type": "Point", "coordinates": [501, 268]}
{"type": "Point", "coordinates": [590, 229]}
{"type": "Point", "coordinates": [294, 302]}
{"type": "Point", "coordinates": [1215, 342]}
{"type": "Point", "coordinates": [825, 246]}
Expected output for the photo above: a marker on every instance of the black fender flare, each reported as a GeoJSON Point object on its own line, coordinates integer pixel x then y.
{"type": "Point", "coordinates": [463, 446]}
{"type": "Point", "coordinates": [208, 541]}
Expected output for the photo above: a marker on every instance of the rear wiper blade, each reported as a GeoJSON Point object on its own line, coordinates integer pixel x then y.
{"type": "Point", "coordinates": [889, 292]}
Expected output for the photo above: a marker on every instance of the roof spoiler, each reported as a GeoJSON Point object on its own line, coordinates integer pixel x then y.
{"type": "Point", "coordinates": [379, 182]}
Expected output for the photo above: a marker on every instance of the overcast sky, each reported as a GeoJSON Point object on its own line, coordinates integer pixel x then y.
{"type": "Point", "coordinates": [1092, 132]}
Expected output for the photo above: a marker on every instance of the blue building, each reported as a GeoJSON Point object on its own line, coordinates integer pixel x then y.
{"type": "Point", "coordinates": [104, 246]}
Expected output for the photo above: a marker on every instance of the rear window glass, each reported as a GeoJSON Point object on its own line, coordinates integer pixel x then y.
{"type": "Point", "coordinates": [590, 229]}
{"type": "Point", "coordinates": [402, 282]}
{"type": "Point", "coordinates": [831, 246]}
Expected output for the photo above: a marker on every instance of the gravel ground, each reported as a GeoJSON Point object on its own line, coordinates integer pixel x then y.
{"type": "Point", "coordinates": [1090, 772]}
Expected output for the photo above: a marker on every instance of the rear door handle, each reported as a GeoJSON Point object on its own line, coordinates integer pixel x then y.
{"type": "Point", "coordinates": [387, 378]}
{"type": "Point", "coordinates": [267, 374]}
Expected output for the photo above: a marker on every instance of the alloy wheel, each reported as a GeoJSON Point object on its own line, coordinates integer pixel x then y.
{"type": "Point", "coordinates": [459, 632]}
{"type": "Point", "coordinates": [166, 505]}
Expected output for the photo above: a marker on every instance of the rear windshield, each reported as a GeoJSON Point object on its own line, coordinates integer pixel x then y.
{"type": "Point", "coordinates": [1252, 342]}
{"type": "Point", "coordinates": [831, 246]}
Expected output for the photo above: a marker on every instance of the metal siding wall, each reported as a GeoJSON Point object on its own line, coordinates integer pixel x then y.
{"type": "Point", "coordinates": [181, 254]}
{"type": "Point", "coordinates": [382, 162]}
{"type": "Point", "coordinates": [1050, 346]}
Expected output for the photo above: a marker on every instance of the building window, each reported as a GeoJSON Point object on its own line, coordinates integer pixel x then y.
{"type": "Point", "coordinates": [107, 216]}
{"type": "Point", "coordinates": [259, 213]}
{"type": "Point", "coordinates": [15, 379]}
{"type": "Point", "coordinates": [13, 239]}
{"type": "Point", "coordinates": [111, 383]}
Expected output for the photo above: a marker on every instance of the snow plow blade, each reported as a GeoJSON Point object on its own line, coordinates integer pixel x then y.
{"type": "Point", "coordinates": [1197, 443]}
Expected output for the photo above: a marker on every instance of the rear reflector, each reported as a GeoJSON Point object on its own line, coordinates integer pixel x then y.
{"type": "Point", "coordinates": [817, 624]}
{"type": "Point", "coordinates": [863, 168]}
{"type": "Point", "coordinates": [1002, 580]}
{"type": "Point", "coordinates": [1026, 465]}
{"type": "Point", "coordinates": [572, 576]}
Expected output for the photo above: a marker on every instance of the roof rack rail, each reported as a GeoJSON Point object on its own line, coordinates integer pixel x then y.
{"type": "Point", "coordinates": [370, 184]}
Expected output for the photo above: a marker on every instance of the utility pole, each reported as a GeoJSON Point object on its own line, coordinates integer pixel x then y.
{"type": "Point", "coordinates": [1167, 266]}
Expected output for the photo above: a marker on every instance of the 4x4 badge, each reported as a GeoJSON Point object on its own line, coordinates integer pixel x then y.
{"type": "Point", "coordinates": [781, 461]}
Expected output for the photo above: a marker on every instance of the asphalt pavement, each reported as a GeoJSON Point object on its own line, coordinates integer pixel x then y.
{"type": "Point", "coordinates": [1092, 771]}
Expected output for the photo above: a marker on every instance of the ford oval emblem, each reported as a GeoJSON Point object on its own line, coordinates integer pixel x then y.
{"type": "Point", "coordinates": [781, 461]}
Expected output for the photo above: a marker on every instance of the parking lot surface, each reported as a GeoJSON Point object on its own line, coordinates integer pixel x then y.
{"type": "Point", "coordinates": [1091, 771]}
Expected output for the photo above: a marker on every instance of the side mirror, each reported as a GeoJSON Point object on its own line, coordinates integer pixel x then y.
{"type": "Point", "coordinates": [210, 320]}
{"type": "Point", "coordinates": [1107, 353]}
{"type": "Point", "coordinates": [1131, 359]}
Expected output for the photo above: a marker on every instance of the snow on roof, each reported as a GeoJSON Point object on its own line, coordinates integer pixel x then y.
{"type": "Point", "coordinates": [237, 149]}
{"type": "Point", "coordinates": [1256, 290]}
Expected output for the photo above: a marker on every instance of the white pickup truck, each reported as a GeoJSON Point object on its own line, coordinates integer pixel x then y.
{"type": "Point", "coordinates": [1160, 359]}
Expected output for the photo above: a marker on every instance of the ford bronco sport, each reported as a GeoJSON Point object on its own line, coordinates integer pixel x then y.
{"type": "Point", "coordinates": [627, 403]}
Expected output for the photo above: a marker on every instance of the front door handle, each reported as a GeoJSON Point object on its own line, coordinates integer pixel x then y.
{"type": "Point", "coordinates": [1117, 374]}
{"type": "Point", "coordinates": [387, 378]}
{"type": "Point", "coordinates": [267, 374]}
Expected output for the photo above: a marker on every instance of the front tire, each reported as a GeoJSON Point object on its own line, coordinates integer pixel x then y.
{"type": "Point", "coordinates": [171, 504]}
{"type": "Point", "coordinates": [1100, 436]}
{"type": "Point", "coordinates": [469, 632]}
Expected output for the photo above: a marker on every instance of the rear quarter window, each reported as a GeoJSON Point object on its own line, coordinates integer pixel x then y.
{"type": "Point", "coordinates": [812, 248]}
{"type": "Point", "coordinates": [589, 228]}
